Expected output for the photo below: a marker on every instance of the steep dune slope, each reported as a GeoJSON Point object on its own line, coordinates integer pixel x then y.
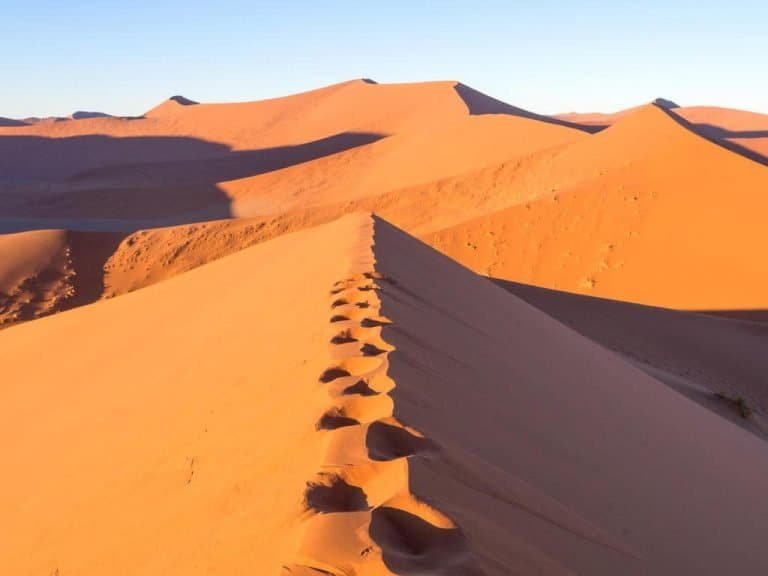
{"type": "Point", "coordinates": [740, 131]}
{"type": "Point", "coordinates": [46, 271]}
{"type": "Point", "coordinates": [35, 274]}
{"type": "Point", "coordinates": [552, 447]}
{"type": "Point", "coordinates": [644, 211]}
{"type": "Point", "coordinates": [707, 358]}
{"type": "Point", "coordinates": [396, 414]}
{"type": "Point", "coordinates": [745, 132]}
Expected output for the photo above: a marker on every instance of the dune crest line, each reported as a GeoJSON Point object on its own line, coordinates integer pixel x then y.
{"type": "Point", "coordinates": [361, 517]}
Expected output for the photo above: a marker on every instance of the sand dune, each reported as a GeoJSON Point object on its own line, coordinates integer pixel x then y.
{"type": "Point", "coordinates": [745, 133]}
{"type": "Point", "coordinates": [355, 424]}
{"type": "Point", "coordinates": [601, 120]}
{"type": "Point", "coordinates": [644, 211]}
{"type": "Point", "coordinates": [186, 163]}
{"type": "Point", "coordinates": [485, 182]}
{"type": "Point", "coordinates": [698, 355]}
{"type": "Point", "coordinates": [216, 360]}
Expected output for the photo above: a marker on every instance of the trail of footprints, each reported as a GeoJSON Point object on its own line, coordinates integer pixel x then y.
{"type": "Point", "coordinates": [361, 517]}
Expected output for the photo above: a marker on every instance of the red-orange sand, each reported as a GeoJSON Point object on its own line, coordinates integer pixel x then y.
{"type": "Point", "coordinates": [215, 360]}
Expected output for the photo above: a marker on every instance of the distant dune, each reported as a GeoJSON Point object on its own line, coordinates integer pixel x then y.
{"type": "Point", "coordinates": [10, 122]}
{"type": "Point", "coordinates": [385, 329]}
{"type": "Point", "coordinates": [430, 157]}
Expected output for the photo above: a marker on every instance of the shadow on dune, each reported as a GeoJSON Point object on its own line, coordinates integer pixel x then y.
{"type": "Point", "coordinates": [10, 123]}
{"type": "Point", "coordinates": [695, 353]}
{"type": "Point", "coordinates": [162, 180]}
{"type": "Point", "coordinates": [231, 165]}
{"type": "Point", "coordinates": [746, 315]}
{"type": "Point", "coordinates": [412, 546]}
{"type": "Point", "coordinates": [87, 115]}
{"type": "Point", "coordinates": [89, 252]}
{"type": "Point", "coordinates": [719, 136]}
{"type": "Point", "coordinates": [478, 104]}
{"type": "Point", "coordinates": [712, 131]}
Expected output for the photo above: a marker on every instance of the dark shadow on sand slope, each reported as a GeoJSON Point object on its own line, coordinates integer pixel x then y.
{"type": "Point", "coordinates": [25, 158]}
{"type": "Point", "coordinates": [11, 123]}
{"type": "Point", "coordinates": [412, 546]}
{"type": "Point", "coordinates": [179, 99]}
{"type": "Point", "coordinates": [99, 177]}
{"type": "Point", "coordinates": [478, 103]}
{"type": "Point", "coordinates": [232, 165]}
{"type": "Point", "coordinates": [87, 115]}
{"type": "Point", "coordinates": [694, 353]}
{"type": "Point", "coordinates": [755, 315]}
{"type": "Point", "coordinates": [712, 131]}
{"type": "Point", "coordinates": [720, 137]}
{"type": "Point", "coordinates": [89, 252]}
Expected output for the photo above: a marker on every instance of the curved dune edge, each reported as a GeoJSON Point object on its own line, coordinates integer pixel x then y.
{"type": "Point", "coordinates": [361, 516]}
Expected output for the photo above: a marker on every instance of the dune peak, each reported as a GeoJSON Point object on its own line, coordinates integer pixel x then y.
{"type": "Point", "coordinates": [666, 104]}
{"type": "Point", "coordinates": [182, 100]}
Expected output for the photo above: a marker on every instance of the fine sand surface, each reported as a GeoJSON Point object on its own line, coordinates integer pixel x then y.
{"type": "Point", "coordinates": [346, 400]}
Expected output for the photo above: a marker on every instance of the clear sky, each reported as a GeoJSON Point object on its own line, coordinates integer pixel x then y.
{"type": "Point", "coordinates": [125, 56]}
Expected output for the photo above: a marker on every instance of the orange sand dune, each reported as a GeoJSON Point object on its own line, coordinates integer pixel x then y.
{"type": "Point", "coordinates": [697, 354]}
{"type": "Point", "coordinates": [186, 163]}
{"type": "Point", "coordinates": [345, 400]}
{"type": "Point", "coordinates": [743, 132]}
{"type": "Point", "coordinates": [601, 120]}
{"type": "Point", "coordinates": [640, 211]}
{"type": "Point", "coordinates": [644, 211]}
{"type": "Point", "coordinates": [416, 158]}
{"type": "Point", "coordinates": [354, 106]}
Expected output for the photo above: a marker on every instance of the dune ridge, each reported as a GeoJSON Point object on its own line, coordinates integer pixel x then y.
{"type": "Point", "coordinates": [362, 516]}
{"type": "Point", "coordinates": [397, 415]}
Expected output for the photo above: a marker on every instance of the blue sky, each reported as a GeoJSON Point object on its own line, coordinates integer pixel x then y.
{"type": "Point", "coordinates": [545, 55]}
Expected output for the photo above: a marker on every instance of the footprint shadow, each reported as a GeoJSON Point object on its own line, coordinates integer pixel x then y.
{"type": "Point", "coordinates": [335, 496]}
{"type": "Point", "coordinates": [335, 419]}
{"type": "Point", "coordinates": [387, 442]}
{"type": "Point", "coordinates": [411, 546]}
{"type": "Point", "coordinates": [333, 374]}
{"type": "Point", "coordinates": [360, 388]}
